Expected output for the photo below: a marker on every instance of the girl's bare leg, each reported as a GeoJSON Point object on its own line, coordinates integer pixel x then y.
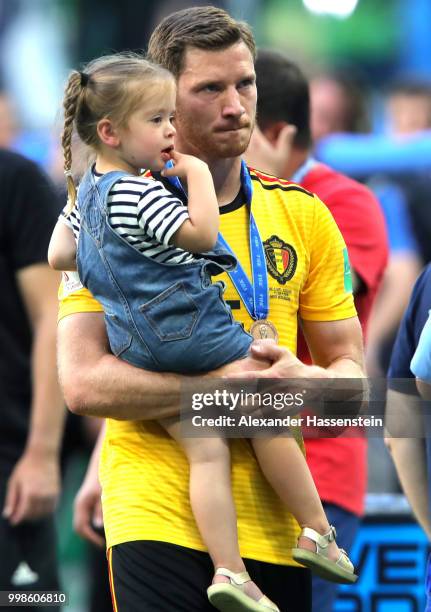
{"type": "Point", "coordinates": [212, 501]}
{"type": "Point", "coordinates": [286, 469]}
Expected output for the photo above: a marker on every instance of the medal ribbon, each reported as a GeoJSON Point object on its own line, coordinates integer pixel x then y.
{"type": "Point", "coordinates": [255, 296]}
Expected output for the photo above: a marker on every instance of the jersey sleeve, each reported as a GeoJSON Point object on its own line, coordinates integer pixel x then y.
{"type": "Point", "coordinates": [73, 297]}
{"type": "Point", "coordinates": [327, 292]}
{"type": "Point", "coordinates": [160, 213]}
{"type": "Point", "coordinates": [361, 222]}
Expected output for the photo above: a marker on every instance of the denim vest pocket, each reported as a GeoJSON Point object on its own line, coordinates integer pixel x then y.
{"type": "Point", "coordinates": [172, 314]}
{"type": "Point", "coordinates": [120, 339]}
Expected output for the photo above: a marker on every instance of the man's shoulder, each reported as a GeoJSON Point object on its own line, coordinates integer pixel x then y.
{"type": "Point", "coordinates": [14, 164]}
{"type": "Point", "coordinates": [341, 191]}
{"type": "Point", "coordinates": [409, 331]}
{"type": "Point", "coordinates": [420, 299]}
{"type": "Point", "coordinates": [270, 182]}
{"type": "Point", "coordinates": [14, 158]}
{"type": "Point", "coordinates": [417, 311]}
{"type": "Point", "coordinates": [336, 183]}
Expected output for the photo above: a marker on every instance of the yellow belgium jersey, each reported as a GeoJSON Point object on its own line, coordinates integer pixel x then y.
{"type": "Point", "coordinates": [144, 473]}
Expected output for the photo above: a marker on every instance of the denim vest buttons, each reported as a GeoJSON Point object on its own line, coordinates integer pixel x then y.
{"type": "Point", "coordinates": [159, 316]}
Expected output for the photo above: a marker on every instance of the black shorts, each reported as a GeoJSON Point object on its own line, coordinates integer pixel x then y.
{"type": "Point", "coordinates": [160, 577]}
{"type": "Point", "coordinates": [29, 555]}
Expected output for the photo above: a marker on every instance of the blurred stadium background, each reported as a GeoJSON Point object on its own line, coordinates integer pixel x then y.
{"type": "Point", "coordinates": [376, 43]}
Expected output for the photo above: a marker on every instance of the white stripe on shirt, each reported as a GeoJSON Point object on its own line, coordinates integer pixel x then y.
{"type": "Point", "coordinates": [145, 214]}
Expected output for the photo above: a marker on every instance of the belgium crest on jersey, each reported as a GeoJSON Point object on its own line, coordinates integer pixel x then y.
{"type": "Point", "coordinates": [281, 259]}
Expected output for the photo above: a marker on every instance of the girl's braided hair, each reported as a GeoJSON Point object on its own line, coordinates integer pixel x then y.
{"type": "Point", "coordinates": [112, 86]}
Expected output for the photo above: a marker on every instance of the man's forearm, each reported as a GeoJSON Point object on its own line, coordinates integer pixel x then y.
{"type": "Point", "coordinates": [404, 417]}
{"type": "Point", "coordinates": [409, 457]}
{"type": "Point", "coordinates": [95, 383]}
{"type": "Point", "coordinates": [112, 388]}
{"type": "Point", "coordinates": [47, 409]}
{"type": "Point", "coordinates": [399, 278]}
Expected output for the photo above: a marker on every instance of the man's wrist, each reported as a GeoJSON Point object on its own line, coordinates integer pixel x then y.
{"type": "Point", "coordinates": [41, 450]}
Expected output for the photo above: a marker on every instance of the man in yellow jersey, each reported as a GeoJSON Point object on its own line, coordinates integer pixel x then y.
{"type": "Point", "coordinates": [156, 556]}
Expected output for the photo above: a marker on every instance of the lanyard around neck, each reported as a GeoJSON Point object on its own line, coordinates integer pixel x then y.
{"type": "Point", "coordinates": [255, 294]}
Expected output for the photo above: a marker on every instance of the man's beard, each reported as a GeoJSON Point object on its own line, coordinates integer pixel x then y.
{"type": "Point", "coordinates": [206, 144]}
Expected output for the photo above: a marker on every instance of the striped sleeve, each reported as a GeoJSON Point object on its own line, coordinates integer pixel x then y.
{"type": "Point", "coordinates": [72, 219]}
{"type": "Point", "coordinates": [160, 213]}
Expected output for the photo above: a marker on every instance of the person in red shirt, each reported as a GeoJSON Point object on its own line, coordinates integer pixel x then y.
{"type": "Point", "coordinates": [281, 145]}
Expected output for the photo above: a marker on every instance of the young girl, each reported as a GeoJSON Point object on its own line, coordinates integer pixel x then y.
{"type": "Point", "coordinates": [149, 258]}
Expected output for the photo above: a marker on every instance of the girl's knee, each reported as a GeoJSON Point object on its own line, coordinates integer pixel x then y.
{"type": "Point", "coordinates": [208, 450]}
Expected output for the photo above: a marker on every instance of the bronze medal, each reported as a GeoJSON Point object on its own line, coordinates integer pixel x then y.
{"type": "Point", "coordinates": [263, 329]}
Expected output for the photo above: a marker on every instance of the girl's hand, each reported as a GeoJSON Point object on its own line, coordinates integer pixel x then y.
{"type": "Point", "coordinates": [184, 165]}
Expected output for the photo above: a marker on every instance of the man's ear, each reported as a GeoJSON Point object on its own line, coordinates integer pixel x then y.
{"type": "Point", "coordinates": [272, 132]}
{"type": "Point", "coordinates": [108, 133]}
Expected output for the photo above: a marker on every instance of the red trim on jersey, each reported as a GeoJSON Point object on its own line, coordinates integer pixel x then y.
{"type": "Point", "coordinates": [270, 178]}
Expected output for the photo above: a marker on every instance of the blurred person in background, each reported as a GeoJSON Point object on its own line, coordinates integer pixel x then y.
{"type": "Point", "coordinates": [408, 422]}
{"type": "Point", "coordinates": [32, 408]}
{"type": "Point", "coordinates": [338, 465]}
{"type": "Point", "coordinates": [338, 104]}
{"type": "Point", "coordinates": [8, 121]}
{"type": "Point", "coordinates": [87, 431]}
{"type": "Point", "coordinates": [404, 199]}
{"type": "Point", "coordinates": [408, 110]}
{"type": "Point", "coordinates": [409, 107]}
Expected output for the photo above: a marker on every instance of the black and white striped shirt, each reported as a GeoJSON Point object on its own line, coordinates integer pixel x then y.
{"type": "Point", "coordinates": [144, 213]}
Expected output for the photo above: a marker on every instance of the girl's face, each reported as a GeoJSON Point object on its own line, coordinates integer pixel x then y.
{"type": "Point", "coordinates": [149, 132]}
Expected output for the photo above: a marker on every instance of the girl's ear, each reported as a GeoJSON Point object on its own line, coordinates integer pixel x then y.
{"type": "Point", "coordinates": [108, 133]}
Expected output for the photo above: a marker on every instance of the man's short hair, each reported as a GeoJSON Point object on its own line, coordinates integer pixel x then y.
{"type": "Point", "coordinates": [202, 27]}
{"type": "Point", "coordinates": [410, 87]}
{"type": "Point", "coordinates": [282, 95]}
{"type": "Point", "coordinates": [353, 89]}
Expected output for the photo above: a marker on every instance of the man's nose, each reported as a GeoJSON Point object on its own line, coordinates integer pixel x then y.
{"type": "Point", "coordinates": [232, 106]}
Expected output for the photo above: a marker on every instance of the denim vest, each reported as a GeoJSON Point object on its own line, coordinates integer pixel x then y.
{"type": "Point", "coordinates": [159, 316]}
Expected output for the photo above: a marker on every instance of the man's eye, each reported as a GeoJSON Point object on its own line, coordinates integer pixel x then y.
{"type": "Point", "coordinates": [211, 88]}
{"type": "Point", "coordinates": [246, 83]}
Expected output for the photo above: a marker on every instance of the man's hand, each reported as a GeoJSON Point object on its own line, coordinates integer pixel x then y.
{"type": "Point", "coordinates": [277, 362]}
{"type": "Point", "coordinates": [272, 158]}
{"type": "Point", "coordinates": [87, 513]}
{"type": "Point", "coordinates": [33, 488]}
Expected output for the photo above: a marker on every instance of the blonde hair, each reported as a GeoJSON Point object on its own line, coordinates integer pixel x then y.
{"type": "Point", "coordinates": [114, 87]}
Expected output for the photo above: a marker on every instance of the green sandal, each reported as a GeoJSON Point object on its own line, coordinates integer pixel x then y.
{"type": "Point", "coordinates": [230, 597]}
{"type": "Point", "coordinates": [341, 571]}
